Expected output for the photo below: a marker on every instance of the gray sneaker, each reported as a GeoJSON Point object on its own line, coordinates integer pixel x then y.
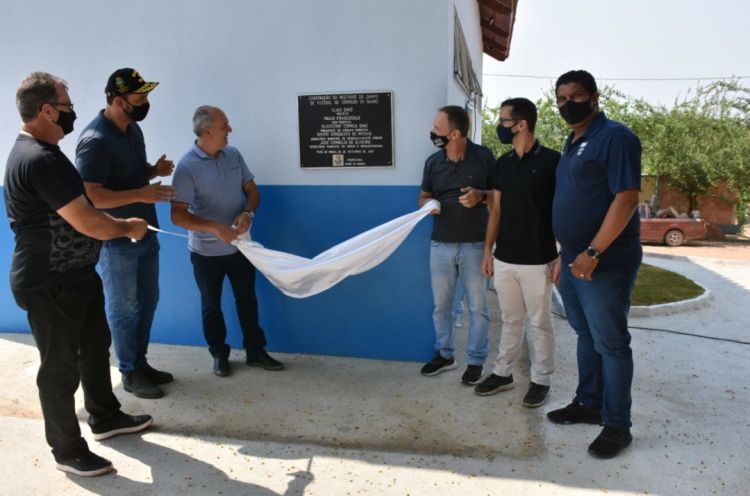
{"type": "Point", "coordinates": [437, 365]}
{"type": "Point", "coordinates": [494, 384]}
{"type": "Point", "coordinates": [472, 375]}
{"type": "Point", "coordinates": [536, 395]}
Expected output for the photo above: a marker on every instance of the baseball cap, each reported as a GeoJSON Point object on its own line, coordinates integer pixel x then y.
{"type": "Point", "coordinates": [127, 81]}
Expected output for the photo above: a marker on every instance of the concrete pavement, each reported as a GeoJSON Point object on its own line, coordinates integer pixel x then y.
{"type": "Point", "coordinates": [331, 425]}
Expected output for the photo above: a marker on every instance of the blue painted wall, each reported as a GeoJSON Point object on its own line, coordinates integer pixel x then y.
{"type": "Point", "coordinates": [384, 313]}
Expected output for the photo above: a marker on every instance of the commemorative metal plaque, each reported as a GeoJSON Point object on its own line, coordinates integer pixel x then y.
{"type": "Point", "coordinates": [347, 130]}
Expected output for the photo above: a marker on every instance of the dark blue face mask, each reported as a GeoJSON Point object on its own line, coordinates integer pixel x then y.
{"type": "Point", "coordinates": [505, 134]}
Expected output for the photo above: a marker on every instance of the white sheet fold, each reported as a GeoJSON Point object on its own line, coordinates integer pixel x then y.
{"type": "Point", "coordinates": [301, 277]}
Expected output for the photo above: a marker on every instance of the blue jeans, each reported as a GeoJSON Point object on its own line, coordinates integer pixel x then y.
{"type": "Point", "coordinates": [458, 305]}
{"type": "Point", "coordinates": [449, 264]}
{"type": "Point", "coordinates": [598, 312]}
{"type": "Point", "coordinates": [130, 272]}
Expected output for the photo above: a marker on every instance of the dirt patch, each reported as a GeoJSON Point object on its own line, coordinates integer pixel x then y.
{"type": "Point", "coordinates": [329, 401]}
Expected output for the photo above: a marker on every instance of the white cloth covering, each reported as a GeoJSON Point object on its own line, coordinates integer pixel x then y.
{"type": "Point", "coordinates": [301, 277]}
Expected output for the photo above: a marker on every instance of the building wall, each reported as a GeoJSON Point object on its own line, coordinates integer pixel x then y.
{"type": "Point", "coordinates": [467, 11]}
{"type": "Point", "coordinates": [253, 59]}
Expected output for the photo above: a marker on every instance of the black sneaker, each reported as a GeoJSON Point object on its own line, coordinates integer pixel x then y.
{"type": "Point", "coordinates": [575, 413]}
{"type": "Point", "coordinates": [221, 367]}
{"type": "Point", "coordinates": [494, 384]}
{"type": "Point", "coordinates": [157, 376]}
{"type": "Point", "coordinates": [121, 423]}
{"type": "Point", "coordinates": [437, 365]}
{"type": "Point", "coordinates": [472, 375]}
{"type": "Point", "coordinates": [536, 395]}
{"type": "Point", "coordinates": [86, 465]}
{"type": "Point", "coordinates": [610, 442]}
{"type": "Point", "coordinates": [263, 360]}
{"type": "Point", "coordinates": [139, 384]}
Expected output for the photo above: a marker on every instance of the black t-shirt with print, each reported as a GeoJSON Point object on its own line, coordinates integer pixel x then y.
{"type": "Point", "coordinates": [39, 180]}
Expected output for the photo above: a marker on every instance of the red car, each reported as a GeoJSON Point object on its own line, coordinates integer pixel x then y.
{"type": "Point", "coordinates": [670, 231]}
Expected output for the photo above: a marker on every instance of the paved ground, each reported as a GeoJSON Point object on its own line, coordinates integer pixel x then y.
{"type": "Point", "coordinates": [734, 247]}
{"type": "Point", "coordinates": [338, 426]}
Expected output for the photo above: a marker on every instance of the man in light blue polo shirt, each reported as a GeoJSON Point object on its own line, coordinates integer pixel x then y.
{"type": "Point", "coordinates": [216, 199]}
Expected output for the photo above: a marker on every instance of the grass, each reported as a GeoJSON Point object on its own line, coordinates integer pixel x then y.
{"type": "Point", "coordinates": [654, 286]}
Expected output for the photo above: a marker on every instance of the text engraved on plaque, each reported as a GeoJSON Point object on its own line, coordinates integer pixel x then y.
{"type": "Point", "coordinates": [346, 130]}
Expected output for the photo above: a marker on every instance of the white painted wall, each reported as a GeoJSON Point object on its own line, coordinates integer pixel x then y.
{"type": "Point", "coordinates": [251, 58]}
{"type": "Point", "coordinates": [468, 13]}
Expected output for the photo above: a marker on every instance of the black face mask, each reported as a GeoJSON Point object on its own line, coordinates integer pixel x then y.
{"type": "Point", "coordinates": [65, 121]}
{"type": "Point", "coordinates": [575, 112]}
{"type": "Point", "coordinates": [439, 141]}
{"type": "Point", "coordinates": [505, 134]}
{"type": "Point", "coordinates": [139, 112]}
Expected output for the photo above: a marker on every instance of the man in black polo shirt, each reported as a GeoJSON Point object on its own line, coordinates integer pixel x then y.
{"type": "Point", "coordinates": [525, 262]}
{"type": "Point", "coordinates": [458, 177]}
{"type": "Point", "coordinates": [52, 276]}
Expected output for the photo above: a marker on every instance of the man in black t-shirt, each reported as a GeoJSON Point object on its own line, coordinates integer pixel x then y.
{"type": "Point", "coordinates": [525, 262]}
{"type": "Point", "coordinates": [53, 279]}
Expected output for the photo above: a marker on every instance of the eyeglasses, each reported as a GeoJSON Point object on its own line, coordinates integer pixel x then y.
{"type": "Point", "coordinates": [66, 104]}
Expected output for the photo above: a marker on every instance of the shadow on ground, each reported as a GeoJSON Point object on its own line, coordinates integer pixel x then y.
{"type": "Point", "coordinates": [691, 396]}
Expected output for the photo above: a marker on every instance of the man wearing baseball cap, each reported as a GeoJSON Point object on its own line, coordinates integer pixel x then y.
{"type": "Point", "coordinates": [111, 158]}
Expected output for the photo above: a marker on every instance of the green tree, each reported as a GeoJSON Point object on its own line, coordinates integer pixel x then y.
{"type": "Point", "coordinates": [701, 140]}
{"type": "Point", "coordinates": [490, 118]}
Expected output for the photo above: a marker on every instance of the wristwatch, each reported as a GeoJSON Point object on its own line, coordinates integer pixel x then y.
{"type": "Point", "coordinates": [592, 252]}
{"type": "Point", "coordinates": [250, 213]}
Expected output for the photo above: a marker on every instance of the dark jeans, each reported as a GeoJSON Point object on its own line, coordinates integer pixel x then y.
{"type": "Point", "coordinates": [71, 333]}
{"type": "Point", "coordinates": [209, 275]}
{"type": "Point", "coordinates": [598, 312]}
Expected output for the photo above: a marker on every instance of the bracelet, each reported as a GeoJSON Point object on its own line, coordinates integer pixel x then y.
{"type": "Point", "coordinates": [250, 213]}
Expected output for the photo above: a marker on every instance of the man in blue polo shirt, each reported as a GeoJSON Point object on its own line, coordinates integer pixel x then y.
{"type": "Point", "coordinates": [216, 201]}
{"type": "Point", "coordinates": [458, 176]}
{"type": "Point", "coordinates": [595, 221]}
{"type": "Point", "coordinates": [111, 158]}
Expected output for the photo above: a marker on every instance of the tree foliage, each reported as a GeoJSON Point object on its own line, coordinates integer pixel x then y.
{"type": "Point", "coordinates": [702, 139]}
